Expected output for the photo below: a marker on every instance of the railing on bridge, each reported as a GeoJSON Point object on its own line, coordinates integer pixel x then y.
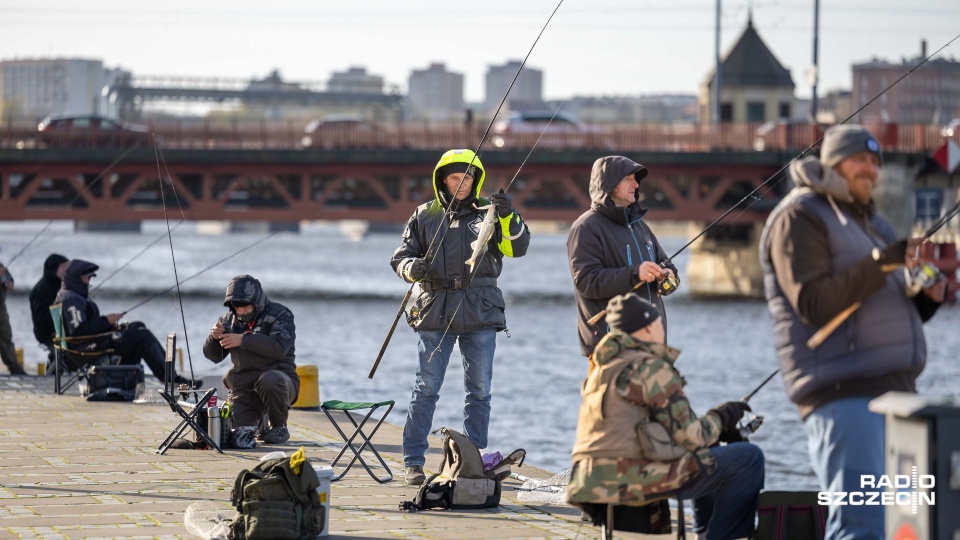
{"type": "Point", "coordinates": [210, 134]}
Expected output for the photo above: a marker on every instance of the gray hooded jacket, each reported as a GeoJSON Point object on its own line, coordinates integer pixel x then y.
{"type": "Point", "coordinates": [607, 245]}
{"type": "Point", "coordinates": [816, 257]}
{"type": "Point", "coordinates": [268, 341]}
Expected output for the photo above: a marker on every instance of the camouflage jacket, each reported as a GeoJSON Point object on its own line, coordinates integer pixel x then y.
{"type": "Point", "coordinates": [647, 381]}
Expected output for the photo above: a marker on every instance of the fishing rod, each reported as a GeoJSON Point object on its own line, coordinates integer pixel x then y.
{"type": "Point", "coordinates": [176, 279]}
{"type": "Point", "coordinates": [761, 385]}
{"type": "Point", "coordinates": [950, 214]}
{"type": "Point", "coordinates": [70, 204]}
{"type": "Point", "coordinates": [671, 285]}
{"type": "Point", "coordinates": [445, 227]}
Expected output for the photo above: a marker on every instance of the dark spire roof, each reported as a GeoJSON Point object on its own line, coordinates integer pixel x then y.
{"type": "Point", "coordinates": [750, 63]}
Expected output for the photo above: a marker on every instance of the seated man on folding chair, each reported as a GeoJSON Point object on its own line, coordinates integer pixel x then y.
{"type": "Point", "coordinates": [133, 342]}
{"type": "Point", "coordinates": [263, 381]}
{"type": "Point", "coordinates": [638, 440]}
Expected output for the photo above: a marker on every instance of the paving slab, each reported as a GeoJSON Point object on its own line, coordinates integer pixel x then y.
{"type": "Point", "coordinates": [74, 469]}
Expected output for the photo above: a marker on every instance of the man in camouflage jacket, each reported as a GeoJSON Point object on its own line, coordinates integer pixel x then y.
{"type": "Point", "coordinates": [638, 440]}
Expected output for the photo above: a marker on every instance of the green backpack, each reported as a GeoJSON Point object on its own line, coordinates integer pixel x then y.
{"type": "Point", "coordinates": [276, 503]}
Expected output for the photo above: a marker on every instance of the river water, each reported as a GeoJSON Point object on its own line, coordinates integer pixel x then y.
{"type": "Point", "coordinates": [344, 296]}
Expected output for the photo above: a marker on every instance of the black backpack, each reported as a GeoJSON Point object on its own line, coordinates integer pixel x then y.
{"type": "Point", "coordinates": [275, 503]}
{"type": "Point", "coordinates": [462, 483]}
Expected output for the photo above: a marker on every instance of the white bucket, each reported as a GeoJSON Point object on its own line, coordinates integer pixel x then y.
{"type": "Point", "coordinates": [324, 474]}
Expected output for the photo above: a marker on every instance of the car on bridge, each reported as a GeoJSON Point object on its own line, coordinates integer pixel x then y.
{"type": "Point", "coordinates": [787, 135]}
{"type": "Point", "coordinates": [87, 131]}
{"type": "Point", "coordinates": [340, 131]}
{"type": "Point", "coordinates": [522, 129]}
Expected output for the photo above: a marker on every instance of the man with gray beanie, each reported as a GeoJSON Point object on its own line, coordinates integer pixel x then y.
{"type": "Point", "coordinates": [639, 442]}
{"type": "Point", "coordinates": [824, 249]}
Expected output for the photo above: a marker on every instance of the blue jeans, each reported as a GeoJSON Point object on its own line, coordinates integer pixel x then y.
{"type": "Point", "coordinates": [846, 441]}
{"type": "Point", "coordinates": [725, 502]}
{"type": "Point", "coordinates": [476, 350]}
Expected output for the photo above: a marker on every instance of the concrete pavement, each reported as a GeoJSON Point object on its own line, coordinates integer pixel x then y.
{"type": "Point", "coordinates": [76, 469]}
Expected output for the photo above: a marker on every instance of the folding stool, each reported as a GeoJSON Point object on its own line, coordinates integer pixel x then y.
{"type": "Point", "coordinates": [345, 408]}
{"type": "Point", "coordinates": [169, 394]}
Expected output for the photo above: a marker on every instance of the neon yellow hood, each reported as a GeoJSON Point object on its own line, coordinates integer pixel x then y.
{"type": "Point", "coordinates": [465, 156]}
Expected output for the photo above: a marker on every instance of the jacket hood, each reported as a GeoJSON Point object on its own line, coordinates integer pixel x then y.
{"type": "Point", "coordinates": [810, 173]}
{"type": "Point", "coordinates": [246, 289]}
{"type": "Point", "coordinates": [606, 174]}
{"type": "Point", "coordinates": [618, 341]}
{"type": "Point", "coordinates": [75, 270]}
{"type": "Point", "coordinates": [51, 265]}
{"type": "Point", "coordinates": [466, 157]}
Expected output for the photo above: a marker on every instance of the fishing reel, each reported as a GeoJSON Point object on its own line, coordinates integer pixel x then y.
{"type": "Point", "coordinates": [669, 284]}
{"type": "Point", "coordinates": [920, 277]}
{"type": "Point", "coordinates": [751, 426]}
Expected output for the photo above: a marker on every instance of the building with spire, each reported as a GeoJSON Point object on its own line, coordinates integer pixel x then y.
{"type": "Point", "coordinates": [754, 85]}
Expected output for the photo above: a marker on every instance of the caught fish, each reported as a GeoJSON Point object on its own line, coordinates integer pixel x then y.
{"type": "Point", "coordinates": [479, 246]}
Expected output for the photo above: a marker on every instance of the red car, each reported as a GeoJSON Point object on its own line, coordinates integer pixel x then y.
{"type": "Point", "coordinates": [90, 132]}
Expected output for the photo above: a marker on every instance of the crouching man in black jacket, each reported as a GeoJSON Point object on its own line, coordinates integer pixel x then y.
{"type": "Point", "coordinates": [259, 336]}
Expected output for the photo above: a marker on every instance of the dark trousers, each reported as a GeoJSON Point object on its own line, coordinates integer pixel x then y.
{"type": "Point", "coordinates": [136, 343]}
{"type": "Point", "coordinates": [8, 353]}
{"type": "Point", "coordinates": [272, 395]}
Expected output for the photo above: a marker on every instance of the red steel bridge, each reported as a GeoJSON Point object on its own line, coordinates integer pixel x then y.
{"type": "Point", "coordinates": [379, 172]}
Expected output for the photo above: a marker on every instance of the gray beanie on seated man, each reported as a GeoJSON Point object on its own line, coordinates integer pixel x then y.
{"type": "Point", "coordinates": [629, 313]}
{"type": "Point", "coordinates": [841, 142]}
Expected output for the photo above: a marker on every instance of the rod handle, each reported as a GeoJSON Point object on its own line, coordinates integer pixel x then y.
{"type": "Point", "coordinates": [822, 334]}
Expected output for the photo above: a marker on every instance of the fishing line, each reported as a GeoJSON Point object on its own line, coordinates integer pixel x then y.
{"type": "Point", "coordinates": [70, 204]}
{"type": "Point", "coordinates": [779, 173]}
{"type": "Point", "coordinates": [137, 256]}
{"type": "Point", "coordinates": [221, 261]}
{"type": "Point", "coordinates": [815, 144]}
{"type": "Point", "coordinates": [163, 199]}
{"type": "Point", "coordinates": [449, 213]}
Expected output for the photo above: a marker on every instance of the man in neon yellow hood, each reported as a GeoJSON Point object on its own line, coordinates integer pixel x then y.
{"type": "Point", "coordinates": [455, 305]}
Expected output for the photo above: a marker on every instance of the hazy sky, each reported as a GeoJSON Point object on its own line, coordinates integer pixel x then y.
{"type": "Point", "coordinates": [592, 47]}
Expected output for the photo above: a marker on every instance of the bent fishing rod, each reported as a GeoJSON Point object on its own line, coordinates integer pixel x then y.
{"type": "Point", "coordinates": [483, 139]}
{"type": "Point", "coordinates": [70, 204]}
{"type": "Point", "coordinates": [778, 175]}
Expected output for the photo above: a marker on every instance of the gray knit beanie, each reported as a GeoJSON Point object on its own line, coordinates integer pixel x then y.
{"type": "Point", "coordinates": [629, 313]}
{"type": "Point", "coordinates": [840, 142]}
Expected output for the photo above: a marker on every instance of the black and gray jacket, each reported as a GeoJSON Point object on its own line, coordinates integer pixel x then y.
{"type": "Point", "coordinates": [42, 296]}
{"type": "Point", "coordinates": [81, 316]}
{"type": "Point", "coordinates": [268, 341]}
{"type": "Point", "coordinates": [606, 246]}
{"type": "Point", "coordinates": [449, 282]}
{"type": "Point", "coordinates": [816, 258]}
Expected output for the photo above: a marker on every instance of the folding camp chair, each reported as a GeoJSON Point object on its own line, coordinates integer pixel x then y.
{"type": "Point", "coordinates": [345, 408]}
{"type": "Point", "coordinates": [169, 394]}
{"type": "Point", "coordinates": [79, 360]}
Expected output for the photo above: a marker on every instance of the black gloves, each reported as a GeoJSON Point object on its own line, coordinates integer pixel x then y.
{"type": "Point", "coordinates": [503, 202]}
{"type": "Point", "coordinates": [731, 436]}
{"type": "Point", "coordinates": [415, 270]}
{"type": "Point", "coordinates": [730, 413]}
{"type": "Point", "coordinates": [894, 254]}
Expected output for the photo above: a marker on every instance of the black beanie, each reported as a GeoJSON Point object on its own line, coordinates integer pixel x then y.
{"type": "Point", "coordinates": [629, 313]}
{"type": "Point", "coordinates": [447, 170]}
